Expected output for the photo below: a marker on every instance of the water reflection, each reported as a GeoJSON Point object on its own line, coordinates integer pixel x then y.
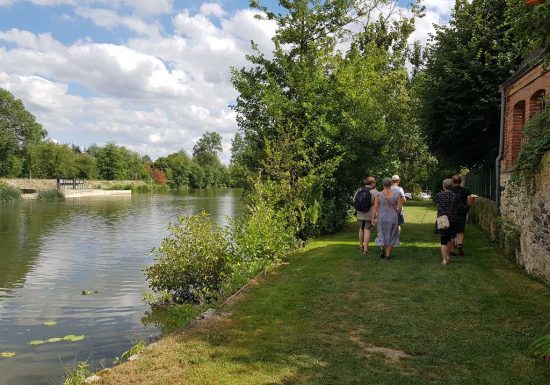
{"type": "Point", "coordinates": [51, 252]}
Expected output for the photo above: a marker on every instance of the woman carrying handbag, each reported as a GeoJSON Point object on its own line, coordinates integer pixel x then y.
{"type": "Point", "coordinates": [446, 213]}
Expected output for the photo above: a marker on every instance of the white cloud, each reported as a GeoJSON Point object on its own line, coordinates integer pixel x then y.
{"type": "Point", "coordinates": [440, 7]}
{"type": "Point", "coordinates": [141, 7]}
{"type": "Point", "coordinates": [213, 9]}
{"type": "Point", "coordinates": [109, 19]}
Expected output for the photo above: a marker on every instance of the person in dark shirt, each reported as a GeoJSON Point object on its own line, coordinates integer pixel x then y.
{"type": "Point", "coordinates": [446, 205]}
{"type": "Point", "coordinates": [464, 202]}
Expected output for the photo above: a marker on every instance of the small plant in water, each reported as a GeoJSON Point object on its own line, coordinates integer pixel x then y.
{"type": "Point", "coordinates": [136, 349]}
{"type": "Point", "coordinates": [77, 375]}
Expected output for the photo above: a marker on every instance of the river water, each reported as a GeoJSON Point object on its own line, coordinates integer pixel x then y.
{"type": "Point", "coordinates": [50, 253]}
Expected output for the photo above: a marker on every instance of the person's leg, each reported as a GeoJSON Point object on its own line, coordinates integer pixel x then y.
{"type": "Point", "coordinates": [460, 227]}
{"type": "Point", "coordinates": [366, 238]}
{"type": "Point", "coordinates": [361, 226]}
{"type": "Point", "coordinates": [444, 254]}
{"type": "Point", "coordinates": [445, 244]}
{"type": "Point", "coordinates": [388, 251]}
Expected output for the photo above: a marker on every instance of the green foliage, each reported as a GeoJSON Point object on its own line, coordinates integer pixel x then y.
{"type": "Point", "coordinates": [261, 237]}
{"type": "Point", "coordinates": [19, 131]}
{"type": "Point", "coordinates": [537, 132]}
{"type": "Point", "coordinates": [467, 61]}
{"type": "Point", "coordinates": [484, 213]}
{"type": "Point", "coordinates": [530, 24]}
{"type": "Point", "coordinates": [50, 195]}
{"type": "Point", "coordinates": [77, 375]}
{"type": "Point", "coordinates": [192, 262]}
{"type": "Point", "coordinates": [314, 122]}
{"type": "Point", "coordinates": [541, 346]}
{"type": "Point", "coordinates": [200, 262]}
{"type": "Point", "coordinates": [171, 318]}
{"type": "Point", "coordinates": [503, 231]}
{"type": "Point", "coordinates": [136, 348]}
{"type": "Point", "coordinates": [205, 151]}
{"type": "Point", "coordinates": [8, 193]}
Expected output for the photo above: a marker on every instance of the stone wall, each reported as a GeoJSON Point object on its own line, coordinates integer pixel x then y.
{"type": "Point", "coordinates": [530, 212]}
{"type": "Point", "coordinates": [50, 184]}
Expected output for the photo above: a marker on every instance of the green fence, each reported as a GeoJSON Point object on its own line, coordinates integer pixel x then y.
{"type": "Point", "coordinates": [482, 181]}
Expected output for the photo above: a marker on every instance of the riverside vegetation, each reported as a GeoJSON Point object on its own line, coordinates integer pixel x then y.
{"type": "Point", "coordinates": [335, 316]}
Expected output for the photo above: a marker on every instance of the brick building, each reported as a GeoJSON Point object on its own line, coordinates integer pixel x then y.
{"type": "Point", "coordinates": [523, 96]}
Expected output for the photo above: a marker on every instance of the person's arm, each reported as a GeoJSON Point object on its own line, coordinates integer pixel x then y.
{"type": "Point", "coordinates": [403, 197]}
{"type": "Point", "coordinates": [400, 204]}
{"type": "Point", "coordinates": [470, 200]}
{"type": "Point", "coordinates": [374, 216]}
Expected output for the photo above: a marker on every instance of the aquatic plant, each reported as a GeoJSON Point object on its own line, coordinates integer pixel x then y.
{"type": "Point", "coordinates": [8, 193]}
{"type": "Point", "coordinates": [50, 195]}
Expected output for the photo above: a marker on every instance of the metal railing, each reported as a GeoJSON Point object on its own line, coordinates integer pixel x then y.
{"type": "Point", "coordinates": [482, 181]}
{"type": "Point", "coordinates": [70, 183]}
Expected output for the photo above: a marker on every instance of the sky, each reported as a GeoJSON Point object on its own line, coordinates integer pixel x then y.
{"type": "Point", "coordinates": [151, 75]}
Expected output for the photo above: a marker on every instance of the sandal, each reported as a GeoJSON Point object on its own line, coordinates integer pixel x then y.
{"type": "Point", "coordinates": [365, 251]}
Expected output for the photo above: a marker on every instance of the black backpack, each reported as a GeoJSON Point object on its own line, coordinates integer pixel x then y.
{"type": "Point", "coordinates": [362, 201]}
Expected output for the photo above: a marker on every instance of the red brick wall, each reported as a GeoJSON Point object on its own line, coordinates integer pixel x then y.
{"type": "Point", "coordinates": [522, 102]}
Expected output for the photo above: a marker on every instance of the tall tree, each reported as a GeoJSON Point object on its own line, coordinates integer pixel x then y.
{"type": "Point", "coordinates": [314, 121]}
{"type": "Point", "coordinates": [206, 150]}
{"type": "Point", "coordinates": [467, 61]}
{"type": "Point", "coordinates": [19, 132]}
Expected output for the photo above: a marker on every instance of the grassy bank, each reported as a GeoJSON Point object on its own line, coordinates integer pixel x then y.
{"type": "Point", "coordinates": [8, 193]}
{"type": "Point", "coordinates": [335, 316]}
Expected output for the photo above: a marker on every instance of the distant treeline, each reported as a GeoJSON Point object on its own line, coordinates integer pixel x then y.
{"type": "Point", "coordinates": [25, 152]}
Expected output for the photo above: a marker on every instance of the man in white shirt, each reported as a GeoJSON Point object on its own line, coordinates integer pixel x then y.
{"type": "Point", "coordinates": [395, 181]}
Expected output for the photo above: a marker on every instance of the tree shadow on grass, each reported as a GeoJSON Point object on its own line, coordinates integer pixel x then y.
{"type": "Point", "coordinates": [334, 316]}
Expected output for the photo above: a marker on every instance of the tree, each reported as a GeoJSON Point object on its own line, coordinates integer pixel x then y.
{"type": "Point", "coordinates": [314, 121]}
{"type": "Point", "coordinates": [51, 160]}
{"type": "Point", "coordinates": [467, 61]}
{"type": "Point", "coordinates": [19, 132]}
{"type": "Point", "coordinates": [530, 24]}
{"type": "Point", "coordinates": [206, 150]}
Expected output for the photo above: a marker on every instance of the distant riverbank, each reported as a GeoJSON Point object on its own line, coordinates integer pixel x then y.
{"type": "Point", "coordinates": [50, 184]}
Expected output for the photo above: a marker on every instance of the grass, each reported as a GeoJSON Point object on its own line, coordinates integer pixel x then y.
{"type": "Point", "coordinates": [8, 193]}
{"type": "Point", "coordinates": [334, 316]}
{"type": "Point", "coordinates": [50, 195]}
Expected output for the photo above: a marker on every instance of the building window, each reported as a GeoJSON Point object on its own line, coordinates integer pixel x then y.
{"type": "Point", "coordinates": [536, 103]}
{"type": "Point", "coordinates": [518, 121]}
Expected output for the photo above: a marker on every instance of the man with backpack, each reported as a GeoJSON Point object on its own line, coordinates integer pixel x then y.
{"type": "Point", "coordinates": [363, 201]}
{"type": "Point", "coordinates": [464, 201]}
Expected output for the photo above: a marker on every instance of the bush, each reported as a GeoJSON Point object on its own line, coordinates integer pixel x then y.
{"type": "Point", "coordinates": [50, 195]}
{"type": "Point", "coordinates": [8, 193]}
{"type": "Point", "coordinates": [192, 263]}
{"type": "Point", "coordinates": [260, 238]}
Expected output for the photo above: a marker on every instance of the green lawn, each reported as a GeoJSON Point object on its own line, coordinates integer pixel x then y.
{"type": "Point", "coordinates": [336, 316]}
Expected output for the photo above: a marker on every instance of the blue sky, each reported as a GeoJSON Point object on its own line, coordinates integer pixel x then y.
{"type": "Point", "coordinates": [150, 75]}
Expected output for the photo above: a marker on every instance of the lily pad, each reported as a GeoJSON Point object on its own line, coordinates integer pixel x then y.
{"type": "Point", "coordinates": [90, 292]}
{"type": "Point", "coordinates": [73, 338]}
{"type": "Point", "coordinates": [49, 323]}
{"type": "Point", "coordinates": [55, 339]}
{"type": "Point", "coordinates": [37, 342]}
{"type": "Point", "coordinates": [7, 354]}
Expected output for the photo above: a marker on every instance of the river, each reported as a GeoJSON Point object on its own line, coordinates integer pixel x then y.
{"type": "Point", "coordinates": [78, 264]}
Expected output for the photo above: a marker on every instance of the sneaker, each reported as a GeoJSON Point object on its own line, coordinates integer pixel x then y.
{"type": "Point", "coordinates": [460, 250]}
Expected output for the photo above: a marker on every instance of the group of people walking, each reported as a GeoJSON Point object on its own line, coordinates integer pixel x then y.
{"type": "Point", "coordinates": [384, 209]}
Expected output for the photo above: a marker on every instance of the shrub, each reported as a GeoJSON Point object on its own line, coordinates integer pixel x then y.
{"type": "Point", "coordinates": [260, 238]}
{"type": "Point", "coordinates": [50, 195]}
{"type": "Point", "coordinates": [192, 263]}
{"type": "Point", "coordinates": [8, 193]}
